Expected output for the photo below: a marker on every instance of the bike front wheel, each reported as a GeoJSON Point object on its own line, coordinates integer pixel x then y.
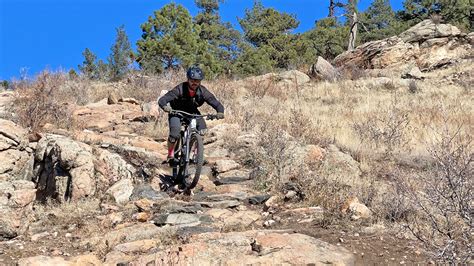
{"type": "Point", "coordinates": [196, 160]}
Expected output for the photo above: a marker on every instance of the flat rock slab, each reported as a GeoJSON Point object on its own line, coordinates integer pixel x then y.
{"type": "Point", "coordinates": [181, 219]}
{"type": "Point", "coordinates": [234, 219]}
{"type": "Point", "coordinates": [134, 233]}
{"type": "Point", "coordinates": [228, 196]}
{"type": "Point", "coordinates": [145, 191]}
{"type": "Point", "coordinates": [251, 247]}
{"type": "Point", "coordinates": [231, 180]}
{"type": "Point", "coordinates": [54, 261]}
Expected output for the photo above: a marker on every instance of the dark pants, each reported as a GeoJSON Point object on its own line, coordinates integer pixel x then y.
{"type": "Point", "coordinates": [175, 127]}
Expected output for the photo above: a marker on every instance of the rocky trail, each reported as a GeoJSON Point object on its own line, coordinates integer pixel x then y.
{"type": "Point", "coordinates": [112, 209]}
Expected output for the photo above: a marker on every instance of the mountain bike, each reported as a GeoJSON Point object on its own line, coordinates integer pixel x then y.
{"type": "Point", "coordinates": [188, 151]}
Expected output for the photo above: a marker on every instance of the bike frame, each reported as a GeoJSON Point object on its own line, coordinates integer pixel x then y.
{"type": "Point", "coordinates": [189, 121]}
{"type": "Point", "coordinates": [189, 129]}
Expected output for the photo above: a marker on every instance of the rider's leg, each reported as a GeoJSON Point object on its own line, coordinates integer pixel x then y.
{"type": "Point", "coordinates": [201, 126]}
{"type": "Point", "coordinates": [175, 127]}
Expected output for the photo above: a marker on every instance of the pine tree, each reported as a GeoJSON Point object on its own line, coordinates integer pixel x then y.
{"type": "Point", "coordinates": [88, 67]}
{"type": "Point", "coordinates": [328, 38]}
{"type": "Point", "coordinates": [120, 59]}
{"type": "Point", "coordinates": [169, 40]}
{"type": "Point", "coordinates": [270, 30]}
{"type": "Point", "coordinates": [103, 70]}
{"type": "Point", "coordinates": [252, 61]}
{"type": "Point", "coordinates": [221, 38]}
{"type": "Point", "coordinates": [379, 21]}
{"type": "Point", "coordinates": [457, 12]}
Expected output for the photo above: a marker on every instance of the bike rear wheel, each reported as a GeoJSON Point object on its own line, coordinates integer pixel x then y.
{"type": "Point", "coordinates": [196, 160]}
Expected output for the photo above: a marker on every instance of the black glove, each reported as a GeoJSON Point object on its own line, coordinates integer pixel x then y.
{"type": "Point", "coordinates": [220, 115]}
{"type": "Point", "coordinates": [167, 108]}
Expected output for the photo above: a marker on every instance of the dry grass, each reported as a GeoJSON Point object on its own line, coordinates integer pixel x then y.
{"type": "Point", "coordinates": [81, 214]}
{"type": "Point", "coordinates": [379, 124]}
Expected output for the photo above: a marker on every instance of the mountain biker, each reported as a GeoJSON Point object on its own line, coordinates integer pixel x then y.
{"type": "Point", "coordinates": [187, 97]}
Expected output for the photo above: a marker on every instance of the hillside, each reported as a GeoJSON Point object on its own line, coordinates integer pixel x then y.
{"type": "Point", "coordinates": [367, 162]}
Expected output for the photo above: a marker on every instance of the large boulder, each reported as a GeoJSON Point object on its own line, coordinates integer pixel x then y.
{"type": "Point", "coordinates": [324, 70]}
{"type": "Point", "coordinates": [426, 30]}
{"type": "Point", "coordinates": [293, 77]}
{"type": "Point", "coordinates": [340, 167]}
{"type": "Point", "coordinates": [16, 199]}
{"type": "Point", "coordinates": [15, 156]}
{"type": "Point", "coordinates": [64, 168]}
{"type": "Point", "coordinates": [424, 45]}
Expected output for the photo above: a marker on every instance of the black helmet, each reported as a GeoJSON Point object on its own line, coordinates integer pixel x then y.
{"type": "Point", "coordinates": [195, 72]}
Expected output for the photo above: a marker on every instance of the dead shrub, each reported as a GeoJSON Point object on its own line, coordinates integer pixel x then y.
{"type": "Point", "coordinates": [42, 101]}
{"type": "Point", "coordinates": [274, 157]}
{"type": "Point", "coordinates": [443, 198]}
{"type": "Point", "coordinates": [259, 87]}
{"type": "Point", "coordinates": [145, 88]}
{"type": "Point", "coordinates": [352, 72]}
{"type": "Point", "coordinates": [302, 127]}
{"type": "Point", "coordinates": [389, 86]}
{"type": "Point", "coordinates": [386, 129]}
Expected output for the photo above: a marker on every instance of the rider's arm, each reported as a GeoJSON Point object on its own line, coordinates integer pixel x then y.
{"type": "Point", "coordinates": [168, 97]}
{"type": "Point", "coordinates": [212, 100]}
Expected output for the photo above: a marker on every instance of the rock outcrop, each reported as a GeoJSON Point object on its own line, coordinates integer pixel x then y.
{"type": "Point", "coordinates": [15, 155]}
{"type": "Point", "coordinates": [16, 199]}
{"type": "Point", "coordinates": [425, 45]}
{"type": "Point", "coordinates": [101, 116]}
{"type": "Point", "coordinates": [64, 168]}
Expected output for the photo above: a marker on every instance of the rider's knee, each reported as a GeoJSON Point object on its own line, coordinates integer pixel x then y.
{"type": "Point", "coordinates": [203, 131]}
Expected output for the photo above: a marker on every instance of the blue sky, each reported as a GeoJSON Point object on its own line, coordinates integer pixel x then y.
{"type": "Point", "coordinates": [52, 34]}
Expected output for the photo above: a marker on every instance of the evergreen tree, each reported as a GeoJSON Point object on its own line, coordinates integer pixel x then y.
{"type": "Point", "coordinates": [4, 84]}
{"type": "Point", "coordinates": [88, 67]}
{"type": "Point", "coordinates": [262, 25]}
{"type": "Point", "coordinates": [328, 38]}
{"type": "Point", "coordinates": [270, 30]}
{"type": "Point", "coordinates": [379, 21]}
{"type": "Point", "coordinates": [223, 40]}
{"type": "Point", "coordinates": [456, 12]}
{"type": "Point", "coordinates": [72, 74]}
{"type": "Point", "coordinates": [120, 59]}
{"type": "Point", "coordinates": [103, 70]}
{"type": "Point", "coordinates": [169, 40]}
{"type": "Point", "coordinates": [253, 61]}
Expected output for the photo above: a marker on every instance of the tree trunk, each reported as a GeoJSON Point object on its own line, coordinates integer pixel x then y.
{"type": "Point", "coordinates": [353, 33]}
{"type": "Point", "coordinates": [332, 6]}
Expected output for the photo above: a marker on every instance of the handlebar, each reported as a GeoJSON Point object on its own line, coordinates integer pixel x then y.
{"type": "Point", "coordinates": [182, 113]}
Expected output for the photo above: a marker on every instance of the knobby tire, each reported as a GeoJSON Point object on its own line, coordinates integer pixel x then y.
{"type": "Point", "coordinates": [197, 157]}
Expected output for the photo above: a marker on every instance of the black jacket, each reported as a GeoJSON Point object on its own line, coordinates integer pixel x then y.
{"type": "Point", "coordinates": [180, 99]}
